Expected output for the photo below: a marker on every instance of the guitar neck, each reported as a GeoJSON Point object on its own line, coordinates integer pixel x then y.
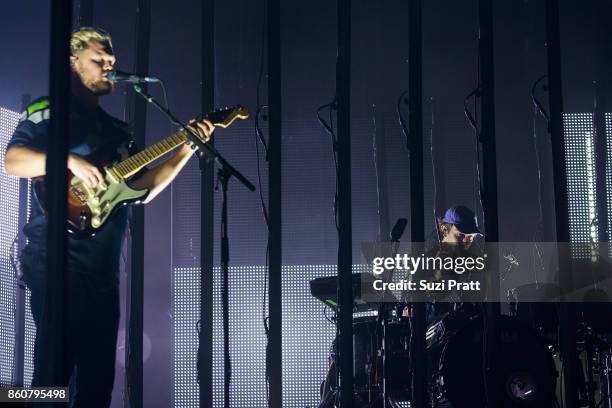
{"type": "Point", "coordinates": [135, 163]}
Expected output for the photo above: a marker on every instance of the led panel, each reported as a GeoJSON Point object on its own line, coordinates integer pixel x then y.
{"type": "Point", "coordinates": [9, 216]}
{"type": "Point", "coordinates": [185, 313]}
{"type": "Point", "coordinates": [580, 158]}
{"type": "Point", "coordinates": [247, 345]}
{"type": "Point", "coordinates": [608, 118]}
{"type": "Point", "coordinates": [307, 336]}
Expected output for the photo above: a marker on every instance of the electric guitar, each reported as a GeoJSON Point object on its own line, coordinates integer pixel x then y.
{"type": "Point", "coordinates": [90, 208]}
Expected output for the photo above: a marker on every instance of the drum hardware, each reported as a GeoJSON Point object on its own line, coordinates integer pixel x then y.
{"type": "Point", "coordinates": [454, 347]}
{"type": "Point", "coordinates": [527, 372]}
{"type": "Point", "coordinates": [384, 351]}
{"type": "Point", "coordinates": [605, 376]}
{"type": "Point", "coordinates": [591, 384]}
{"type": "Point", "coordinates": [379, 346]}
{"type": "Point", "coordinates": [372, 357]}
{"type": "Point", "coordinates": [586, 348]}
{"type": "Point", "coordinates": [532, 305]}
{"type": "Point", "coordinates": [332, 400]}
{"type": "Point", "coordinates": [597, 392]}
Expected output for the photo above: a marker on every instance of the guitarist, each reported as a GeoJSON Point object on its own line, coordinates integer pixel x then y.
{"type": "Point", "coordinates": [93, 262]}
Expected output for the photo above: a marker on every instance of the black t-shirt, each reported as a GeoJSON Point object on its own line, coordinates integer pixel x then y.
{"type": "Point", "coordinates": [94, 260]}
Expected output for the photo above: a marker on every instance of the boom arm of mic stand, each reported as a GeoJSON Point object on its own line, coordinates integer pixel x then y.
{"type": "Point", "coordinates": [206, 148]}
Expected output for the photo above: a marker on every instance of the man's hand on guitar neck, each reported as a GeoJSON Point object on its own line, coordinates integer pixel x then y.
{"type": "Point", "coordinates": [159, 177]}
{"type": "Point", "coordinates": [203, 129]}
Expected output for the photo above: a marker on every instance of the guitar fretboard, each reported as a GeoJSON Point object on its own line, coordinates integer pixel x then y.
{"type": "Point", "coordinates": [132, 165]}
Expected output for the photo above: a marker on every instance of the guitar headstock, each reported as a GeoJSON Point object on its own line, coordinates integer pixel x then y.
{"type": "Point", "coordinates": [223, 117]}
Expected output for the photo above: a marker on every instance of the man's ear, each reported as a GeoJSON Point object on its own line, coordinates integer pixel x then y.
{"type": "Point", "coordinates": [440, 225]}
{"type": "Point", "coordinates": [73, 59]}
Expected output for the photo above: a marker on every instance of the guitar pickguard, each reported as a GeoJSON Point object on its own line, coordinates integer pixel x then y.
{"type": "Point", "coordinates": [97, 204]}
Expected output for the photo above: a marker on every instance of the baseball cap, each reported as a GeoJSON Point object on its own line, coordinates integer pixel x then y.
{"type": "Point", "coordinates": [463, 218]}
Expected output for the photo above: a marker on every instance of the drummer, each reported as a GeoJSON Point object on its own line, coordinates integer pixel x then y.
{"type": "Point", "coordinates": [458, 226]}
{"type": "Point", "coordinates": [458, 233]}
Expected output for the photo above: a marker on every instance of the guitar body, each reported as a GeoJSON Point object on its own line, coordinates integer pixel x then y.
{"type": "Point", "coordinates": [89, 208]}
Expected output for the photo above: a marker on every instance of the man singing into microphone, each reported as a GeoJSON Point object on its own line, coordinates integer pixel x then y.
{"type": "Point", "coordinates": [92, 291]}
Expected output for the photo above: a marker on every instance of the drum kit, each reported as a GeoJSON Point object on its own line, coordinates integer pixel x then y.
{"type": "Point", "coordinates": [528, 362]}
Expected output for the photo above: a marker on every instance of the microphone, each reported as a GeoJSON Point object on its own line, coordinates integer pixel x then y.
{"type": "Point", "coordinates": [119, 76]}
{"type": "Point", "coordinates": [398, 229]}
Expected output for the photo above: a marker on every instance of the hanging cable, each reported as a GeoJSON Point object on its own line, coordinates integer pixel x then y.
{"type": "Point", "coordinates": [376, 171]}
{"type": "Point", "coordinates": [478, 136]}
{"type": "Point", "coordinates": [432, 154]}
{"type": "Point", "coordinates": [329, 128]}
{"type": "Point", "coordinates": [260, 139]}
{"type": "Point", "coordinates": [538, 110]}
{"type": "Point", "coordinates": [466, 110]}
{"type": "Point", "coordinates": [402, 122]}
{"type": "Point", "coordinates": [165, 95]}
{"type": "Point", "coordinates": [473, 122]}
{"type": "Point", "coordinates": [540, 227]}
{"type": "Point", "coordinates": [537, 104]}
{"type": "Point", "coordinates": [331, 319]}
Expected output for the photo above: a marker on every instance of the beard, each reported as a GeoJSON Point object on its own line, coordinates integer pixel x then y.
{"type": "Point", "coordinates": [101, 87]}
{"type": "Point", "coordinates": [98, 86]}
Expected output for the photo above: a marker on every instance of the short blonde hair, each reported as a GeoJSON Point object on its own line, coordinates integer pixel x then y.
{"type": "Point", "coordinates": [81, 37]}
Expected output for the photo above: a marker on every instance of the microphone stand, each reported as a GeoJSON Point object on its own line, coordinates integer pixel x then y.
{"type": "Point", "coordinates": [224, 173]}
